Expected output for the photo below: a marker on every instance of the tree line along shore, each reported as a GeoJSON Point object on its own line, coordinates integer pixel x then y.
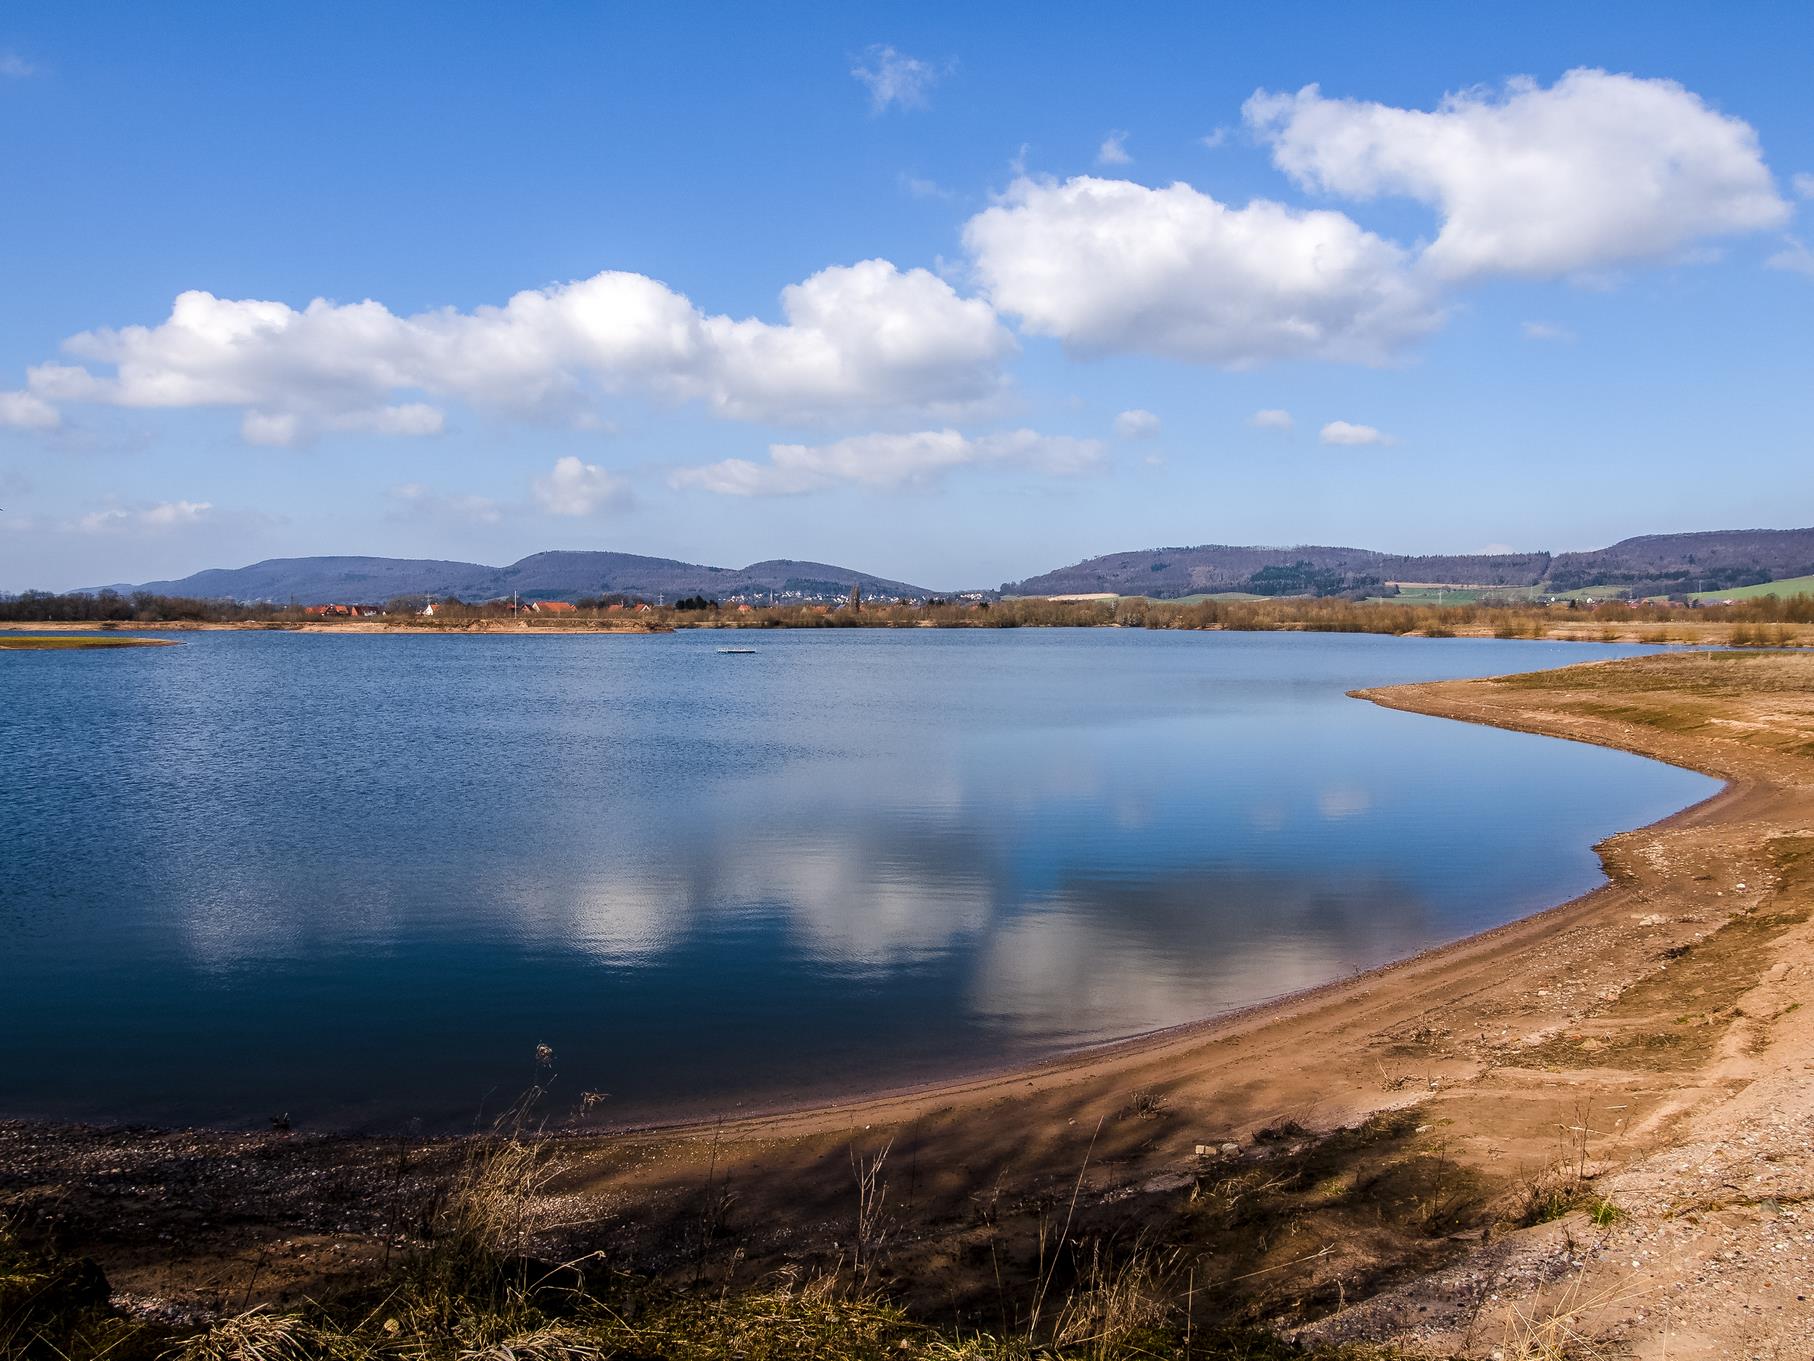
{"type": "Point", "coordinates": [1763, 621]}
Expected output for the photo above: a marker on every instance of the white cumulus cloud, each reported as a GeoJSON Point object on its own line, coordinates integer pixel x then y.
{"type": "Point", "coordinates": [1595, 171]}
{"type": "Point", "coordinates": [866, 339]}
{"type": "Point", "coordinates": [278, 429]}
{"type": "Point", "coordinates": [284, 428]}
{"type": "Point", "coordinates": [1794, 257]}
{"type": "Point", "coordinates": [416, 499]}
{"type": "Point", "coordinates": [1113, 150]}
{"type": "Point", "coordinates": [895, 80]}
{"type": "Point", "coordinates": [577, 488]}
{"type": "Point", "coordinates": [1346, 432]}
{"type": "Point", "coordinates": [166, 515]}
{"type": "Point", "coordinates": [409, 419]}
{"type": "Point", "coordinates": [1803, 185]}
{"type": "Point", "coordinates": [1110, 265]}
{"type": "Point", "coordinates": [1547, 331]}
{"type": "Point", "coordinates": [27, 411]}
{"type": "Point", "coordinates": [917, 186]}
{"type": "Point", "coordinates": [172, 514]}
{"type": "Point", "coordinates": [887, 460]}
{"type": "Point", "coordinates": [1136, 424]}
{"type": "Point", "coordinates": [1271, 419]}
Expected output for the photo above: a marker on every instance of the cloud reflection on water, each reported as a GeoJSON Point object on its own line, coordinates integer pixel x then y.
{"type": "Point", "coordinates": [1093, 957]}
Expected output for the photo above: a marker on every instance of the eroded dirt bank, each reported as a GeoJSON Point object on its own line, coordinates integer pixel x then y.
{"type": "Point", "coordinates": [1593, 1122]}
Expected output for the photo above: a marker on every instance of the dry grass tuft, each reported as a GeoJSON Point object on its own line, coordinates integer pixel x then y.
{"type": "Point", "coordinates": [872, 1228]}
{"type": "Point", "coordinates": [554, 1342]}
{"type": "Point", "coordinates": [1145, 1104]}
{"type": "Point", "coordinates": [1562, 1330]}
{"type": "Point", "coordinates": [487, 1212]}
{"type": "Point", "coordinates": [1116, 1307]}
{"type": "Point", "coordinates": [256, 1335]}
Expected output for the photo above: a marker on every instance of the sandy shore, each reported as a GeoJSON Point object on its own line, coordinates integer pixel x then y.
{"type": "Point", "coordinates": [1594, 1120]}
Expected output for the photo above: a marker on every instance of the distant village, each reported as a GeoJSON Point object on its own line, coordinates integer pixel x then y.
{"type": "Point", "coordinates": [429, 608]}
{"type": "Point", "coordinates": [742, 603]}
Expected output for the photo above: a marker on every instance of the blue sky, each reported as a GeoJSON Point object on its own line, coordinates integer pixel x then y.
{"type": "Point", "coordinates": [954, 294]}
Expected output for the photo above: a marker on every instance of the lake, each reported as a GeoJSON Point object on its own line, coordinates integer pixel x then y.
{"type": "Point", "coordinates": [358, 879]}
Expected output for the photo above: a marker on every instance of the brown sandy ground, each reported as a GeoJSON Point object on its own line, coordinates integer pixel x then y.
{"type": "Point", "coordinates": [1585, 1133]}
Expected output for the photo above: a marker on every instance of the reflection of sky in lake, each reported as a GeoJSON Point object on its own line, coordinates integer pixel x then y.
{"type": "Point", "coordinates": [359, 878]}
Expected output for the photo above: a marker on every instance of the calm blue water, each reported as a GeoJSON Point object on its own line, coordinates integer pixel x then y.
{"type": "Point", "coordinates": [359, 879]}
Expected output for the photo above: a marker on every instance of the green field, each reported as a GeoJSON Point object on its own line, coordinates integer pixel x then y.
{"type": "Point", "coordinates": [1454, 595]}
{"type": "Point", "coordinates": [1439, 595]}
{"type": "Point", "coordinates": [1197, 599]}
{"type": "Point", "coordinates": [1201, 596]}
{"type": "Point", "coordinates": [1592, 593]}
{"type": "Point", "coordinates": [1787, 586]}
{"type": "Point", "coordinates": [1477, 595]}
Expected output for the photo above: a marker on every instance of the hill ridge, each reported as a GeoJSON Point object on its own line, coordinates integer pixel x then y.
{"type": "Point", "coordinates": [550, 574]}
{"type": "Point", "coordinates": [1644, 564]}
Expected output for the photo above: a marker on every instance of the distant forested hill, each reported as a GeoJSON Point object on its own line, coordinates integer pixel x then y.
{"type": "Point", "coordinates": [543, 576]}
{"type": "Point", "coordinates": [314, 581]}
{"type": "Point", "coordinates": [1654, 564]}
{"type": "Point", "coordinates": [1657, 564]}
{"type": "Point", "coordinates": [1275, 571]}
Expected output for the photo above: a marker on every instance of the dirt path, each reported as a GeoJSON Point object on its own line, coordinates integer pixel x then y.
{"type": "Point", "coordinates": [1596, 1120]}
